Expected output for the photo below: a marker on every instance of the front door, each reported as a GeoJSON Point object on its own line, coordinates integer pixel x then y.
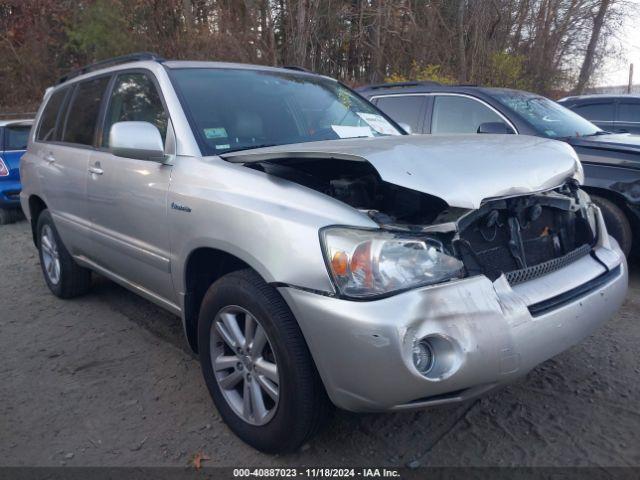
{"type": "Point", "coordinates": [128, 197]}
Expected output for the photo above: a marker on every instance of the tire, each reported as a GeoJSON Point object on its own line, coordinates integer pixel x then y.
{"type": "Point", "coordinates": [8, 215]}
{"type": "Point", "coordinates": [302, 405]}
{"type": "Point", "coordinates": [71, 279]}
{"type": "Point", "coordinates": [617, 223]}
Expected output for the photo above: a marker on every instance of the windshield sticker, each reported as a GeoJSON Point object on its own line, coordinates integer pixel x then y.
{"type": "Point", "coordinates": [226, 146]}
{"type": "Point", "coordinates": [215, 133]}
{"type": "Point", "coordinates": [352, 132]}
{"type": "Point", "coordinates": [378, 123]}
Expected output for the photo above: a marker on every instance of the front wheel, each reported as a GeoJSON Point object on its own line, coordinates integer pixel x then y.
{"type": "Point", "coordinates": [617, 223]}
{"type": "Point", "coordinates": [257, 366]}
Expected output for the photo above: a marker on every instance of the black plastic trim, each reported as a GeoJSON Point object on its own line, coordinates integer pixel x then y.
{"type": "Point", "coordinates": [558, 301]}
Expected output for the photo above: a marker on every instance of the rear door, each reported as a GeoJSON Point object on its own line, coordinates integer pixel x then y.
{"type": "Point", "coordinates": [628, 118]}
{"type": "Point", "coordinates": [65, 140]}
{"type": "Point", "coordinates": [128, 197]}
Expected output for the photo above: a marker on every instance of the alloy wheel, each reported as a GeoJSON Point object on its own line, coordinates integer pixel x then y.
{"type": "Point", "coordinates": [244, 365]}
{"type": "Point", "coordinates": [50, 255]}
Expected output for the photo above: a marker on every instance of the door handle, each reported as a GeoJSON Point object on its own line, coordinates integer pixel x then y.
{"type": "Point", "coordinates": [49, 158]}
{"type": "Point", "coordinates": [96, 171]}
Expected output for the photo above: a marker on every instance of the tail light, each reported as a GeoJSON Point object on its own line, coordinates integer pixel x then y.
{"type": "Point", "coordinates": [4, 171]}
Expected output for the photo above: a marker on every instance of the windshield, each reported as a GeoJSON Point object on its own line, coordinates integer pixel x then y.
{"type": "Point", "coordinates": [236, 109]}
{"type": "Point", "coordinates": [546, 116]}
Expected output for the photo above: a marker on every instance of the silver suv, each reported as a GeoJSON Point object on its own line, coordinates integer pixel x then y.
{"type": "Point", "coordinates": [316, 254]}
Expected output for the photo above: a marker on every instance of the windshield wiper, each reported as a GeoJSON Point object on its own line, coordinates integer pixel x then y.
{"type": "Point", "coordinates": [598, 133]}
{"type": "Point", "coordinates": [251, 147]}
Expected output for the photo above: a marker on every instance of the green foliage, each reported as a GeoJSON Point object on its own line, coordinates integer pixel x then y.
{"type": "Point", "coordinates": [434, 73]}
{"type": "Point", "coordinates": [507, 70]}
{"type": "Point", "coordinates": [101, 30]}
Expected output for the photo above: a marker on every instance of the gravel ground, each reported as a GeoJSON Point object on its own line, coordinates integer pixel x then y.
{"type": "Point", "coordinates": [108, 380]}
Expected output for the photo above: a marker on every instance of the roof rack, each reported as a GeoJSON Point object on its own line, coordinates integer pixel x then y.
{"type": "Point", "coordinates": [405, 84]}
{"type": "Point", "coordinates": [110, 62]}
{"type": "Point", "coordinates": [297, 68]}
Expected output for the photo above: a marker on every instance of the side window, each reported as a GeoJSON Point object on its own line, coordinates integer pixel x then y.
{"type": "Point", "coordinates": [629, 112]}
{"type": "Point", "coordinates": [453, 114]}
{"type": "Point", "coordinates": [47, 130]}
{"type": "Point", "coordinates": [404, 109]}
{"type": "Point", "coordinates": [83, 111]}
{"type": "Point", "coordinates": [135, 99]}
{"type": "Point", "coordinates": [598, 112]}
{"type": "Point", "coordinates": [16, 137]}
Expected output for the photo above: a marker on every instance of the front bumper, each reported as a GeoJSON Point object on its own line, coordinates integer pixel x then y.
{"type": "Point", "coordinates": [492, 332]}
{"type": "Point", "coordinates": [10, 193]}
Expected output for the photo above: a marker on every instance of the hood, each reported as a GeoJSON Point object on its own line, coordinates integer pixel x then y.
{"type": "Point", "coordinates": [622, 142]}
{"type": "Point", "coordinates": [463, 170]}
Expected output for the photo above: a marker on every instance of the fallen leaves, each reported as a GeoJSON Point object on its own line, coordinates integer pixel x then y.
{"type": "Point", "coordinates": [198, 458]}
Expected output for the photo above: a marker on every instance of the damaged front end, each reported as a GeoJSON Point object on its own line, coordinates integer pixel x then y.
{"type": "Point", "coordinates": [425, 241]}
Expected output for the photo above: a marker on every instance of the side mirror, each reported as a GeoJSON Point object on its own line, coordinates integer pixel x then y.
{"type": "Point", "coordinates": [495, 127]}
{"type": "Point", "coordinates": [406, 127]}
{"type": "Point", "coordinates": [139, 140]}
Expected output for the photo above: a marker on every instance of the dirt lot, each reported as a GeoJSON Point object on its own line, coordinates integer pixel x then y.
{"type": "Point", "coordinates": [108, 380]}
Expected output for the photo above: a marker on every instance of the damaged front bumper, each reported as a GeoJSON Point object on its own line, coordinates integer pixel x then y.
{"type": "Point", "coordinates": [484, 334]}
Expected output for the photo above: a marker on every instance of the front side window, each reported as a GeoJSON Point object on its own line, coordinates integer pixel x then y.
{"type": "Point", "coordinates": [454, 114]}
{"type": "Point", "coordinates": [406, 109]}
{"type": "Point", "coordinates": [238, 109]}
{"type": "Point", "coordinates": [547, 117]}
{"type": "Point", "coordinates": [49, 130]}
{"type": "Point", "coordinates": [629, 112]}
{"type": "Point", "coordinates": [83, 111]}
{"type": "Point", "coordinates": [596, 112]}
{"type": "Point", "coordinates": [135, 99]}
{"type": "Point", "coordinates": [16, 137]}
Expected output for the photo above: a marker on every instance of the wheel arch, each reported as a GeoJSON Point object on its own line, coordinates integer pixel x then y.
{"type": "Point", "coordinates": [203, 266]}
{"type": "Point", "coordinates": [36, 207]}
{"type": "Point", "coordinates": [616, 198]}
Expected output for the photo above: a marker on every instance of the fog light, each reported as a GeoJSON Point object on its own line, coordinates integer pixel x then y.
{"type": "Point", "coordinates": [423, 356]}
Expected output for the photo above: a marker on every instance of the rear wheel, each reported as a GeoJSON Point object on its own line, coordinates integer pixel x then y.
{"type": "Point", "coordinates": [64, 277]}
{"type": "Point", "coordinates": [617, 222]}
{"type": "Point", "coordinates": [8, 215]}
{"type": "Point", "coordinates": [257, 365]}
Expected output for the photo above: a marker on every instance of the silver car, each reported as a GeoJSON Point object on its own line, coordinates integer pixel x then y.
{"type": "Point", "coordinates": [317, 255]}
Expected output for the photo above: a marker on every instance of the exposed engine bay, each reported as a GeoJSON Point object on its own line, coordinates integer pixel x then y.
{"type": "Point", "coordinates": [522, 237]}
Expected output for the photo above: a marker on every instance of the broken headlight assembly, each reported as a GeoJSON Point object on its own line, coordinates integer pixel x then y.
{"type": "Point", "coordinates": [371, 263]}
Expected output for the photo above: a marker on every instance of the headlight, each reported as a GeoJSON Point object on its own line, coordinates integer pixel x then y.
{"type": "Point", "coordinates": [366, 263]}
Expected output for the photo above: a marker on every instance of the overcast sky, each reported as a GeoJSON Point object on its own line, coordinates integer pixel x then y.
{"type": "Point", "coordinates": [616, 71]}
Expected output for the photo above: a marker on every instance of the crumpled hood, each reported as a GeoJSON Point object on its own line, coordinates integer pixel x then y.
{"type": "Point", "coordinates": [463, 170]}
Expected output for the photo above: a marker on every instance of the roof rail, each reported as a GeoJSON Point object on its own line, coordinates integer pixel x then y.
{"type": "Point", "coordinates": [110, 62]}
{"type": "Point", "coordinates": [297, 68]}
{"type": "Point", "coordinates": [405, 84]}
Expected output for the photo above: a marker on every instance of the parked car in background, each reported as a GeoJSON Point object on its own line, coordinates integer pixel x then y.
{"type": "Point", "coordinates": [614, 113]}
{"type": "Point", "coordinates": [611, 161]}
{"type": "Point", "coordinates": [13, 143]}
{"type": "Point", "coordinates": [314, 252]}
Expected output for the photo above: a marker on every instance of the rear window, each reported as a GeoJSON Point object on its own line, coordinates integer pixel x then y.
{"type": "Point", "coordinates": [48, 120]}
{"type": "Point", "coordinates": [16, 137]}
{"type": "Point", "coordinates": [83, 111]}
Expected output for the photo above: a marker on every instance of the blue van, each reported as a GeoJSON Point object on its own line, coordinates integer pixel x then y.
{"type": "Point", "coordinates": [14, 135]}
